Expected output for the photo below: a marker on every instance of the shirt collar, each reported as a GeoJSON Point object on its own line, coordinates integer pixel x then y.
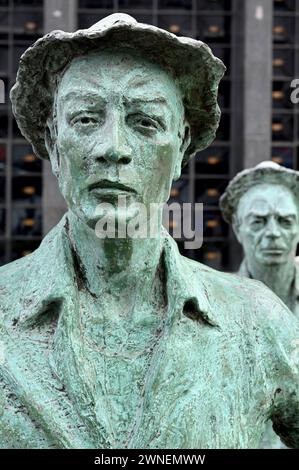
{"type": "Point", "coordinates": [243, 271]}
{"type": "Point", "coordinates": [52, 264]}
{"type": "Point", "coordinates": [185, 283]}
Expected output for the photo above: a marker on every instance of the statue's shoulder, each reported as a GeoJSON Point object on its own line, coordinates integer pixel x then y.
{"type": "Point", "coordinates": [220, 283]}
{"type": "Point", "coordinates": [13, 277]}
{"type": "Point", "coordinates": [14, 271]}
{"type": "Point", "coordinates": [237, 297]}
{"type": "Point", "coordinates": [30, 276]}
{"type": "Point", "coordinates": [246, 308]}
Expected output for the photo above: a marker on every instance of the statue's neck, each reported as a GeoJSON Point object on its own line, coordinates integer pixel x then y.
{"type": "Point", "coordinates": [279, 278]}
{"type": "Point", "coordinates": [120, 266]}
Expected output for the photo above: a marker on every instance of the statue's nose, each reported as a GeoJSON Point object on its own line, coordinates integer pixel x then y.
{"type": "Point", "coordinates": [273, 230]}
{"type": "Point", "coordinates": [122, 154]}
{"type": "Point", "coordinates": [117, 150]}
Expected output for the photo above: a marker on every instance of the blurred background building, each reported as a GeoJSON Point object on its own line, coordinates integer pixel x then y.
{"type": "Point", "coordinates": [258, 40]}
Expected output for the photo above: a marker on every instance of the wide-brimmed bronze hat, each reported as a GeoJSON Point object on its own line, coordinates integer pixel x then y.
{"type": "Point", "coordinates": [191, 62]}
{"type": "Point", "coordinates": [265, 172]}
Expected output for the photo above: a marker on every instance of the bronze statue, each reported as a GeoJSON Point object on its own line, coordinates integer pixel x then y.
{"type": "Point", "coordinates": [122, 342]}
{"type": "Point", "coordinates": [261, 204]}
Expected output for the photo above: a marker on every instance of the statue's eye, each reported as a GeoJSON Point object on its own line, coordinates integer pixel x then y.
{"type": "Point", "coordinates": [285, 222]}
{"type": "Point", "coordinates": [87, 120]}
{"type": "Point", "coordinates": [258, 222]}
{"type": "Point", "coordinates": [84, 120]}
{"type": "Point", "coordinates": [145, 123]}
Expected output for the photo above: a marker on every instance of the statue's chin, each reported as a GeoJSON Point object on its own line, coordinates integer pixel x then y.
{"type": "Point", "coordinates": [119, 223]}
{"type": "Point", "coordinates": [274, 260]}
{"type": "Point", "coordinates": [105, 225]}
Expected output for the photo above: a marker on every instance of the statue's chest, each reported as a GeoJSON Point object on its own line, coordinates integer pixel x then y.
{"type": "Point", "coordinates": [193, 388]}
{"type": "Point", "coordinates": [119, 385]}
{"type": "Point", "coordinates": [109, 392]}
{"type": "Point", "coordinates": [107, 370]}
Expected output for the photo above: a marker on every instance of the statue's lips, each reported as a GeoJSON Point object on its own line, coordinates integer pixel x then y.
{"type": "Point", "coordinates": [105, 186]}
{"type": "Point", "coordinates": [273, 251]}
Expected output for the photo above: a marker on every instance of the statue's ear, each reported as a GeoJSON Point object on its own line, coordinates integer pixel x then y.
{"type": "Point", "coordinates": [186, 139]}
{"type": "Point", "coordinates": [50, 143]}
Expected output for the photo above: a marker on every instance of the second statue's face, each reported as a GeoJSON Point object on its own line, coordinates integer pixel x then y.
{"type": "Point", "coordinates": [120, 128]}
{"type": "Point", "coordinates": [267, 224]}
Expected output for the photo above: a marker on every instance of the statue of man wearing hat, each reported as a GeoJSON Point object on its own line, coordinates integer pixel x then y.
{"type": "Point", "coordinates": [123, 342]}
{"type": "Point", "coordinates": [262, 205]}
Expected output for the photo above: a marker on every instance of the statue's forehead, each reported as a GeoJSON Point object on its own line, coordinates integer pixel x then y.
{"type": "Point", "coordinates": [120, 71]}
{"type": "Point", "coordinates": [267, 197]}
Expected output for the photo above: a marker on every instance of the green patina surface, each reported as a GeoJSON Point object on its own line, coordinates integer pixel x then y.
{"type": "Point", "coordinates": [113, 343]}
{"type": "Point", "coordinates": [265, 219]}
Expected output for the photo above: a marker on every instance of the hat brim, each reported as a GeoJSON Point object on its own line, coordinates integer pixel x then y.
{"type": "Point", "coordinates": [191, 62]}
{"type": "Point", "coordinates": [246, 179]}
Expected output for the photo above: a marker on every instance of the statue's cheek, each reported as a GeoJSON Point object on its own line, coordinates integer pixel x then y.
{"type": "Point", "coordinates": [167, 154]}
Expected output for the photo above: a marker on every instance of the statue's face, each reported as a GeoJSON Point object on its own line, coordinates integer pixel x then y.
{"type": "Point", "coordinates": [267, 224]}
{"type": "Point", "coordinates": [120, 121]}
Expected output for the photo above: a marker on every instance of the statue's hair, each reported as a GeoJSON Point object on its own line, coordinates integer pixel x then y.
{"type": "Point", "coordinates": [266, 172]}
